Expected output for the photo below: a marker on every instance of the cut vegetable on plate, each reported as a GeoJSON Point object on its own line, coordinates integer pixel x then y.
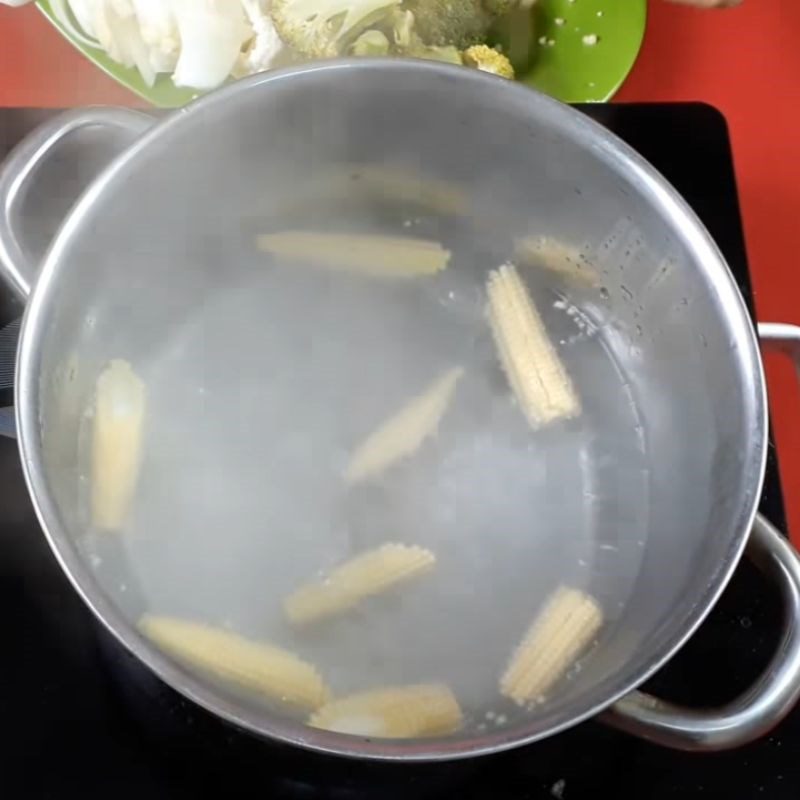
{"type": "Point", "coordinates": [169, 51]}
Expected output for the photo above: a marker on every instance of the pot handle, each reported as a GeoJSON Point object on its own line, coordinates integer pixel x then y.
{"type": "Point", "coordinates": [777, 690]}
{"type": "Point", "coordinates": [112, 129]}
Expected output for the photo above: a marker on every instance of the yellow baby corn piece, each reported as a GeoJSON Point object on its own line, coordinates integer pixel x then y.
{"type": "Point", "coordinates": [265, 669]}
{"type": "Point", "coordinates": [557, 257]}
{"type": "Point", "coordinates": [399, 712]}
{"type": "Point", "coordinates": [407, 185]}
{"type": "Point", "coordinates": [402, 434]}
{"type": "Point", "coordinates": [565, 626]}
{"type": "Point", "coordinates": [367, 574]}
{"type": "Point", "coordinates": [534, 370]}
{"type": "Point", "coordinates": [363, 254]}
{"type": "Point", "coordinates": [116, 443]}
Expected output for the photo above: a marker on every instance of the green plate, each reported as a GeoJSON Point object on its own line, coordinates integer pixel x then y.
{"type": "Point", "coordinates": [565, 66]}
{"type": "Point", "coordinates": [555, 58]}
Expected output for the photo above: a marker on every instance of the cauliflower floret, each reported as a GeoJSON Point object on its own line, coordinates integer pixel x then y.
{"type": "Point", "coordinates": [140, 33]}
{"type": "Point", "coordinates": [325, 28]}
{"type": "Point", "coordinates": [445, 53]}
{"type": "Point", "coordinates": [402, 24]}
{"type": "Point", "coordinates": [212, 33]}
{"type": "Point", "coordinates": [83, 11]}
{"type": "Point", "coordinates": [266, 46]}
{"type": "Point", "coordinates": [116, 26]}
{"type": "Point", "coordinates": [159, 32]}
{"type": "Point", "coordinates": [196, 40]}
{"type": "Point", "coordinates": [371, 43]}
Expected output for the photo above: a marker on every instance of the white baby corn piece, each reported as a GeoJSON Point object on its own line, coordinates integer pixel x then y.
{"type": "Point", "coordinates": [402, 434]}
{"type": "Point", "coordinates": [557, 257]}
{"type": "Point", "coordinates": [563, 629]}
{"type": "Point", "coordinates": [375, 256]}
{"type": "Point", "coordinates": [120, 404]}
{"type": "Point", "coordinates": [269, 671]}
{"type": "Point", "coordinates": [534, 370]}
{"type": "Point", "coordinates": [399, 712]}
{"type": "Point", "coordinates": [368, 574]}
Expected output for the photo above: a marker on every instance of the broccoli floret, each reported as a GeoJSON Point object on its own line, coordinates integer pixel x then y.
{"type": "Point", "coordinates": [488, 59]}
{"type": "Point", "coordinates": [408, 42]}
{"type": "Point", "coordinates": [461, 23]}
{"type": "Point", "coordinates": [325, 28]}
{"type": "Point", "coordinates": [500, 7]}
{"type": "Point", "coordinates": [451, 22]}
{"type": "Point", "coordinates": [370, 43]}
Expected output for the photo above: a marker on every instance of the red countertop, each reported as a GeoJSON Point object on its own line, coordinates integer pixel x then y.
{"type": "Point", "coordinates": [745, 61]}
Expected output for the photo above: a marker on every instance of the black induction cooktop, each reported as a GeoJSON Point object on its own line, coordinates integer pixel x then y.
{"type": "Point", "coordinates": [80, 718]}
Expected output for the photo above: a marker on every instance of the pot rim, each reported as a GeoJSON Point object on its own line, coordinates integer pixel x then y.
{"type": "Point", "coordinates": [270, 725]}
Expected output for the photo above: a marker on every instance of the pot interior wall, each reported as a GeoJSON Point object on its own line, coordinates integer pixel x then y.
{"type": "Point", "coordinates": [642, 502]}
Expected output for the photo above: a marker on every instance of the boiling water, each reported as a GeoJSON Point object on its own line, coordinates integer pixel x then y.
{"type": "Point", "coordinates": [254, 407]}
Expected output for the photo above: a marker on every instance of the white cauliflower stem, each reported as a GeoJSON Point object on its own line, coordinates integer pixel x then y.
{"type": "Point", "coordinates": [324, 28]}
{"type": "Point", "coordinates": [265, 46]}
{"type": "Point", "coordinates": [212, 35]}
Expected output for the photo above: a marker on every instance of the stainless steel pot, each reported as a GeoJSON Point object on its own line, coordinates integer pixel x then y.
{"type": "Point", "coordinates": [124, 268]}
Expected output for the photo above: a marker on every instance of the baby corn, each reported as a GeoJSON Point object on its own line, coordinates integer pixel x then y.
{"type": "Point", "coordinates": [269, 671]}
{"type": "Point", "coordinates": [363, 254]}
{"type": "Point", "coordinates": [534, 370]}
{"type": "Point", "coordinates": [564, 628]}
{"type": "Point", "coordinates": [399, 712]}
{"type": "Point", "coordinates": [404, 433]}
{"type": "Point", "coordinates": [368, 574]}
{"type": "Point", "coordinates": [120, 404]}
{"type": "Point", "coordinates": [409, 186]}
{"type": "Point", "coordinates": [556, 257]}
